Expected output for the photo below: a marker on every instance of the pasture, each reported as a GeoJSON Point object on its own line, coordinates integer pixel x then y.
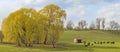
{"type": "Point", "coordinates": [66, 43]}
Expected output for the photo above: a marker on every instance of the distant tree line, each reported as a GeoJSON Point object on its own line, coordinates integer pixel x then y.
{"type": "Point", "coordinates": [99, 24]}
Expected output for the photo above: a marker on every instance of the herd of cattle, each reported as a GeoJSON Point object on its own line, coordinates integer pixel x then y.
{"type": "Point", "coordinates": [86, 44]}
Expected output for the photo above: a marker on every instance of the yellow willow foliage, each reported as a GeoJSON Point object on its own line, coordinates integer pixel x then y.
{"type": "Point", "coordinates": [22, 26]}
{"type": "Point", "coordinates": [53, 11]}
{"type": "Point", "coordinates": [41, 22]}
{"type": "Point", "coordinates": [27, 26]}
{"type": "Point", "coordinates": [56, 18]}
{"type": "Point", "coordinates": [5, 30]}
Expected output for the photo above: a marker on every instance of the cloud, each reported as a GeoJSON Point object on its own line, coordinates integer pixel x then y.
{"type": "Point", "coordinates": [75, 11]}
{"type": "Point", "coordinates": [77, 8]}
{"type": "Point", "coordinates": [9, 6]}
{"type": "Point", "coordinates": [92, 2]}
{"type": "Point", "coordinates": [110, 12]}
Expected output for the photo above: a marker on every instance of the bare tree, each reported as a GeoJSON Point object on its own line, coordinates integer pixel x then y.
{"type": "Point", "coordinates": [98, 23]}
{"type": "Point", "coordinates": [92, 26]}
{"type": "Point", "coordinates": [69, 25]}
{"type": "Point", "coordinates": [103, 22]}
{"type": "Point", "coordinates": [114, 25]}
{"type": "Point", "coordinates": [82, 24]}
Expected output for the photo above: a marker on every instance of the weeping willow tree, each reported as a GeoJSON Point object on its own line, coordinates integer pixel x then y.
{"type": "Point", "coordinates": [22, 26]}
{"type": "Point", "coordinates": [55, 25]}
{"type": "Point", "coordinates": [27, 26]}
{"type": "Point", "coordinates": [41, 23]}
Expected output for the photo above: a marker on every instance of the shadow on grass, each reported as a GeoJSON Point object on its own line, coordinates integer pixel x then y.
{"type": "Point", "coordinates": [63, 47]}
{"type": "Point", "coordinates": [106, 47]}
{"type": "Point", "coordinates": [69, 47]}
{"type": "Point", "coordinates": [72, 47]}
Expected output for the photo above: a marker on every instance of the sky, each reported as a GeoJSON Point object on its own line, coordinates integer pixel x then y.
{"type": "Point", "coordinates": [76, 10]}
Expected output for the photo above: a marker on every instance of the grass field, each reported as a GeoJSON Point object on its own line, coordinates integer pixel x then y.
{"type": "Point", "coordinates": [66, 44]}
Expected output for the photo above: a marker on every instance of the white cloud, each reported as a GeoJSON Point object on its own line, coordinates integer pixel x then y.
{"type": "Point", "coordinates": [74, 8]}
{"type": "Point", "coordinates": [89, 2]}
{"type": "Point", "coordinates": [111, 12]}
{"type": "Point", "coordinates": [75, 11]}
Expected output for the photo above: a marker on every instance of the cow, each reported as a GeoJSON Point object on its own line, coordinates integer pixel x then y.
{"type": "Point", "coordinates": [77, 40]}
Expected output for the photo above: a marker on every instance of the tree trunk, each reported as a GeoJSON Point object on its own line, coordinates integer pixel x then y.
{"type": "Point", "coordinates": [45, 41]}
{"type": "Point", "coordinates": [19, 44]}
{"type": "Point", "coordinates": [53, 44]}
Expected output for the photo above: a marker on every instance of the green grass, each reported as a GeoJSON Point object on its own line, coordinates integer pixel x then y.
{"type": "Point", "coordinates": [90, 35]}
{"type": "Point", "coordinates": [66, 44]}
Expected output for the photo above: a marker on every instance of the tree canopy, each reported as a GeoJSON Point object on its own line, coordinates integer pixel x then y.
{"type": "Point", "coordinates": [27, 26]}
